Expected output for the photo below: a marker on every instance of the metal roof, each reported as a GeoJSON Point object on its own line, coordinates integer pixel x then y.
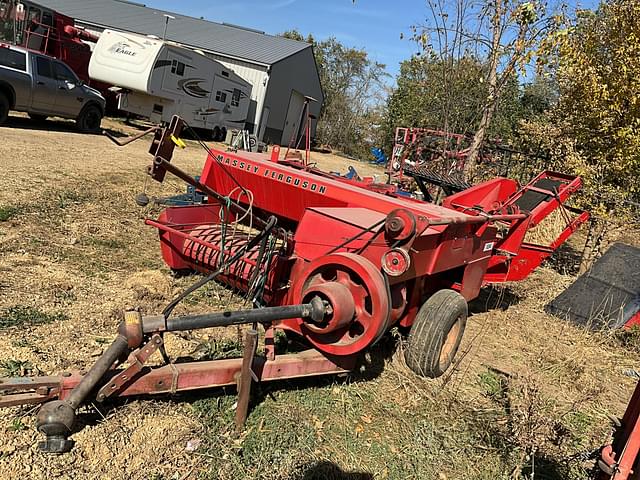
{"type": "Point", "coordinates": [224, 39]}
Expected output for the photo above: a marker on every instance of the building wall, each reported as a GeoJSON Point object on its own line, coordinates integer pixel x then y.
{"type": "Point", "coordinates": [299, 73]}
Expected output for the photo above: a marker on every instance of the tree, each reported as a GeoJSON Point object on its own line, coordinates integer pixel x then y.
{"type": "Point", "coordinates": [599, 83]}
{"type": "Point", "coordinates": [506, 34]}
{"type": "Point", "coordinates": [353, 87]}
{"type": "Point", "coordinates": [448, 94]}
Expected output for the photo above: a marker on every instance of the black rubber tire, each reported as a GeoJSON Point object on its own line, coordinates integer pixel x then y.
{"type": "Point", "coordinates": [4, 108]}
{"type": "Point", "coordinates": [436, 334]}
{"type": "Point", "coordinates": [89, 119]}
{"type": "Point", "coordinates": [36, 117]}
{"type": "Point", "coordinates": [223, 134]}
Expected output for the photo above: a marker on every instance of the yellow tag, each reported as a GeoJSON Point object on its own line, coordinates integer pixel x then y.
{"type": "Point", "coordinates": [131, 318]}
{"type": "Point", "coordinates": [178, 141]}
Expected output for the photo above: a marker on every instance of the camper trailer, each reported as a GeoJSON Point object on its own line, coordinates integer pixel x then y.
{"type": "Point", "coordinates": [158, 79]}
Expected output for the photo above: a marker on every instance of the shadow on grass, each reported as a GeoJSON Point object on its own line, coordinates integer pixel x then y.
{"type": "Point", "coordinates": [544, 468]}
{"type": "Point", "coordinates": [57, 124]}
{"type": "Point", "coordinates": [326, 470]}
{"type": "Point", "coordinates": [566, 260]}
{"type": "Point", "coordinates": [494, 298]}
{"type": "Point", "coordinates": [50, 125]}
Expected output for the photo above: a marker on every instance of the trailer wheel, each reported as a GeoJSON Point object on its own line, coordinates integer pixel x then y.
{"type": "Point", "coordinates": [4, 108]}
{"type": "Point", "coordinates": [436, 333]}
{"type": "Point", "coordinates": [89, 119]}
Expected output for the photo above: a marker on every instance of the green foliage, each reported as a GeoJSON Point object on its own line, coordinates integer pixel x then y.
{"type": "Point", "coordinates": [216, 349]}
{"type": "Point", "coordinates": [7, 212]}
{"type": "Point", "coordinates": [23, 315]}
{"type": "Point", "coordinates": [67, 198]}
{"type": "Point", "coordinates": [353, 87]}
{"type": "Point", "coordinates": [599, 82]}
{"type": "Point", "coordinates": [17, 425]}
{"type": "Point", "coordinates": [15, 368]}
{"type": "Point", "coordinates": [449, 94]}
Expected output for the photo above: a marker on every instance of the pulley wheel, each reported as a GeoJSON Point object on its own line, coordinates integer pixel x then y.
{"type": "Point", "coordinates": [369, 302]}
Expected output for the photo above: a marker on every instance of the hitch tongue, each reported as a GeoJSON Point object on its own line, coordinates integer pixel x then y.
{"type": "Point", "coordinates": [56, 419]}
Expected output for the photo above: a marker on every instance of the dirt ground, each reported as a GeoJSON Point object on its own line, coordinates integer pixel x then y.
{"type": "Point", "coordinates": [74, 253]}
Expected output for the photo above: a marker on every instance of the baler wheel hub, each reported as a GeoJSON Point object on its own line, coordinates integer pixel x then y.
{"type": "Point", "coordinates": [450, 345]}
{"type": "Point", "coordinates": [341, 306]}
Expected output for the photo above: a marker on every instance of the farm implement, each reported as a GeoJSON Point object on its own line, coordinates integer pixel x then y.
{"type": "Point", "coordinates": [618, 461]}
{"type": "Point", "coordinates": [331, 261]}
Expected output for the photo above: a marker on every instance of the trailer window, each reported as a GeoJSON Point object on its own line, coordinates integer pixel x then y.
{"type": "Point", "coordinates": [43, 66]}
{"type": "Point", "coordinates": [235, 99]}
{"type": "Point", "coordinates": [221, 97]}
{"type": "Point", "coordinates": [12, 59]}
{"type": "Point", "coordinates": [177, 68]}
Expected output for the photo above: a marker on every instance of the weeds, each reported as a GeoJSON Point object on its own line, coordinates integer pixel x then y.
{"type": "Point", "coordinates": [65, 296]}
{"type": "Point", "coordinates": [7, 212]}
{"type": "Point", "coordinates": [67, 198]}
{"type": "Point", "coordinates": [22, 343]}
{"type": "Point", "coordinates": [17, 425]}
{"type": "Point", "coordinates": [212, 349]}
{"type": "Point", "coordinates": [24, 315]}
{"type": "Point", "coordinates": [628, 337]}
{"type": "Point", "coordinates": [107, 243]}
{"type": "Point", "coordinates": [16, 368]}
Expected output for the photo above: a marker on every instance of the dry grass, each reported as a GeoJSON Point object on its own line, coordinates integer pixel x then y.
{"type": "Point", "coordinates": [529, 390]}
{"type": "Point", "coordinates": [550, 228]}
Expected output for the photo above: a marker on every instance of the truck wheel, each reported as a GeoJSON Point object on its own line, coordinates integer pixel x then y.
{"type": "Point", "coordinates": [4, 108]}
{"type": "Point", "coordinates": [89, 119]}
{"type": "Point", "coordinates": [223, 134]}
{"type": "Point", "coordinates": [436, 333]}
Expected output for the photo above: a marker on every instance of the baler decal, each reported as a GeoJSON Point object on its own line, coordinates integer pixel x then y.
{"type": "Point", "coordinates": [280, 177]}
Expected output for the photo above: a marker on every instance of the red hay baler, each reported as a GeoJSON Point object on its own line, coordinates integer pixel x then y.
{"type": "Point", "coordinates": [332, 261]}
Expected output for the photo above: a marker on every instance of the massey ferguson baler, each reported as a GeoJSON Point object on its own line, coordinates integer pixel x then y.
{"type": "Point", "coordinates": [333, 262]}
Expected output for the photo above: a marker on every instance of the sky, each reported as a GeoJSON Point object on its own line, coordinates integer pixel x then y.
{"type": "Point", "coordinates": [373, 25]}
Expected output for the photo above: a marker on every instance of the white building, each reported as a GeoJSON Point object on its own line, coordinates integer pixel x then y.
{"type": "Point", "coordinates": [282, 71]}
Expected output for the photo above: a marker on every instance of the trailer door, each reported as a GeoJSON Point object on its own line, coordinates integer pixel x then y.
{"type": "Point", "coordinates": [219, 101]}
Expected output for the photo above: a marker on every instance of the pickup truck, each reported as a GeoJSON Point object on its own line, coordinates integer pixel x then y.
{"type": "Point", "coordinates": [43, 86]}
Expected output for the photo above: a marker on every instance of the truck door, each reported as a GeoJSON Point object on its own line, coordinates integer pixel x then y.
{"type": "Point", "coordinates": [69, 99]}
{"type": "Point", "coordinates": [45, 85]}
